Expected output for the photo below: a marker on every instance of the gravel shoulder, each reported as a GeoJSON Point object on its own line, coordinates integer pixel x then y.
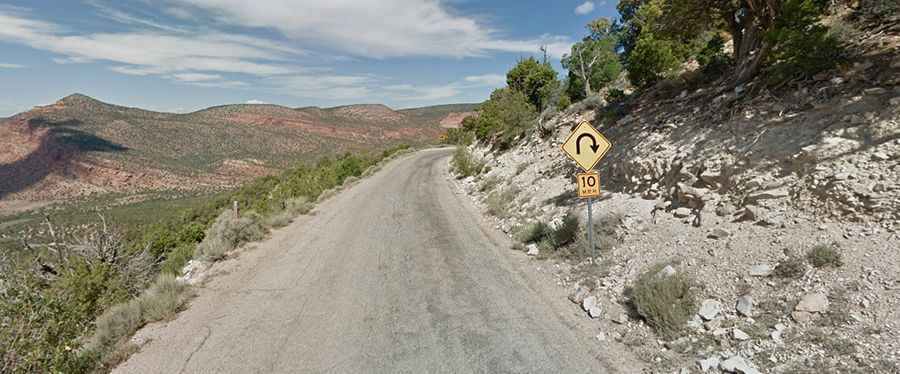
{"type": "Point", "coordinates": [395, 274]}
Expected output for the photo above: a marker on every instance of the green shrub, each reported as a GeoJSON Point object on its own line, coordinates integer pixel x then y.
{"type": "Point", "coordinates": [533, 232]}
{"type": "Point", "coordinates": [563, 102]}
{"type": "Point", "coordinates": [177, 259]}
{"type": "Point", "coordinates": [117, 324]}
{"type": "Point", "coordinates": [652, 60]}
{"type": "Point", "coordinates": [793, 267]}
{"type": "Point", "coordinates": [665, 302]}
{"type": "Point", "coordinates": [113, 329]}
{"type": "Point", "coordinates": [489, 183]}
{"type": "Point", "coordinates": [500, 203]}
{"type": "Point", "coordinates": [803, 46]}
{"type": "Point", "coordinates": [533, 79]}
{"type": "Point", "coordinates": [824, 255]}
{"type": "Point", "coordinates": [163, 299]}
{"type": "Point", "coordinates": [567, 231]}
{"type": "Point", "coordinates": [593, 102]}
{"type": "Point", "coordinates": [712, 58]}
{"type": "Point", "coordinates": [504, 117]}
{"type": "Point", "coordinates": [228, 232]}
{"type": "Point", "coordinates": [465, 164]}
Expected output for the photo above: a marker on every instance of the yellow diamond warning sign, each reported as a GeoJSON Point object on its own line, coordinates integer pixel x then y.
{"type": "Point", "coordinates": [586, 146]}
{"type": "Point", "coordinates": [588, 184]}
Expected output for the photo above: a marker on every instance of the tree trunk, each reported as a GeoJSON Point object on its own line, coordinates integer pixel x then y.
{"type": "Point", "coordinates": [748, 34]}
{"type": "Point", "coordinates": [587, 85]}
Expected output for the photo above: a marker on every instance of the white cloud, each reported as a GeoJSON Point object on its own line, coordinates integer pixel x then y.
{"type": "Point", "coordinates": [126, 18]}
{"type": "Point", "coordinates": [11, 66]}
{"type": "Point", "coordinates": [407, 92]}
{"type": "Point", "coordinates": [585, 8]}
{"type": "Point", "coordinates": [196, 77]}
{"type": "Point", "coordinates": [370, 28]}
{"type": "Point", "coordinates": [146, 52]}
{"type": "Point", "coordinates": [487, 79]}
{"type": "Point", "coordinates": [255, 102]}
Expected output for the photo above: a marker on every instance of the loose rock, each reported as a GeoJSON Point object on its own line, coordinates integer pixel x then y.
{"type": "Point", "coordinates": [579, 294]}
{"type": "Point", "coordinates": [719, 234]}
{"type": "Point", "coordinates": [744, 305]}
{"type": "Point", "coordinates": [740, 335]}
{"type": "Point", "coordinates": [709, 309]}
{"type": "Point", "coordinates": [813, 303]}
{"type": "Point", "coordinates": [737, 364]}
{"type": "Point", "coordinates": [682, 212]}
{"type": "Point", "coordinates": [709, 363]}
{"type": "Point", "coordinates": [592, 306]}
{"type": "Point", "coordinates": [761, 270]}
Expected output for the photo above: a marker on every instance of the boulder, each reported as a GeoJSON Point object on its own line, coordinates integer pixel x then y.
{"type": "Point", "coordinates": [740, 335]}
{"type": "Point", "coordinates": [709, 309]}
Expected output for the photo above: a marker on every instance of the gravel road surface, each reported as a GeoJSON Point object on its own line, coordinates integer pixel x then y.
{"type": "Point", "coordinates": [397, 274]}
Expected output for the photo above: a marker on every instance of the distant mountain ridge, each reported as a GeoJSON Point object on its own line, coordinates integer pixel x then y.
{"type": "Point", "coordinates": [79, 145]}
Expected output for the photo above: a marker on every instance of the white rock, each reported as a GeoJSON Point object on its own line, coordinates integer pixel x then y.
{"type": "Point", "coordinates": [719, 233]}
{"type": "Point", "coordinates": [709, 309]}
{"type": "Point", "coordinates": [532, 249]}
{"type": "Point", "coordinates": [579, 294]}
{"type": "Point", "coordinates": [682, 212]}
{"type": "Point", "coordinates": [667, 271]}
{"type": "Point", "coordinates": [740, 335]}
{"type": "Point", "coordinates": [592, 306]}
{"type": "Point", "coordinates": [813, 303]}
{"type": "Point", "coordinates": [744, 305]}
{"type": "Point", "coordinates": [709, 363]}
{"type": "Point", "coordinates": [880, 156]}
{"type": "Point", "coordinates": [761, 270]}
{"type": "Point", "coordinates": [737, 364]}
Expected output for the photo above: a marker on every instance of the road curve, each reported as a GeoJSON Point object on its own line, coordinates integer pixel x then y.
{"type": "Point", "coordinates": [394, 275]}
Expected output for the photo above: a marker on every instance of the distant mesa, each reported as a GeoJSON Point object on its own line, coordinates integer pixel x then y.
{"type": "Point", "coordinates": [80, 146]}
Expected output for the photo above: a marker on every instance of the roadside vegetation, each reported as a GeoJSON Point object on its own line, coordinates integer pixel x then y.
{"type": "Point", "coordinates": [664, 299]}
{"type": "Point", "coordinates": [69, 302]}
{"type": "Point", "coordinates": [657, 44]}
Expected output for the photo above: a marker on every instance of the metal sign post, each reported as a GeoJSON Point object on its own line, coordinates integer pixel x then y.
{"type": "Point", "coordinates": [590, 230]}
{"type": "Point", "coordinates": [588, 183]}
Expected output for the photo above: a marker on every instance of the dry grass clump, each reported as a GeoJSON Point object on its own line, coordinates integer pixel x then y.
{"type": "Point", "coordinates": [666, 302]}
{"type": "Point", "coordinates": [227, 233]}
{"type": "Point", "coordinates": [793, 267]}
{"type": "Point", "coordinates": [500, 203]}
{"type": "Point", "coordinates": [292, 209]}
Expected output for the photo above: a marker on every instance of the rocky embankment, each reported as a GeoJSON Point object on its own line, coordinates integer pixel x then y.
{"type": "Point", "coordinates": [784, 210]}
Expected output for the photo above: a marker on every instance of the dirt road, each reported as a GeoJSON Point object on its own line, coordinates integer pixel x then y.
{"type": "Point", "coordinates": [394, 275]}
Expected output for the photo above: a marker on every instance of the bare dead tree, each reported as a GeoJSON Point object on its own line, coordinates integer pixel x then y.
{"type": "Point", "coordinates": [584, 67]}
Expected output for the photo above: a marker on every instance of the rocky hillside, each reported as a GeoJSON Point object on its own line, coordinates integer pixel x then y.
{"type": "Point", "coordinates": [781, 206]}
{"type": "Point", "coordinates": [79, 146]}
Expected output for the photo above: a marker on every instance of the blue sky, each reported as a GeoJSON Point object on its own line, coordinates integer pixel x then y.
{"type": "Point", "coordinates": [183, 55]}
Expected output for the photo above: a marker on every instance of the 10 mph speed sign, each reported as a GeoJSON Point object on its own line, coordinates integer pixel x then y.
{"type": "Point", "coordinates": [588, 184]}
